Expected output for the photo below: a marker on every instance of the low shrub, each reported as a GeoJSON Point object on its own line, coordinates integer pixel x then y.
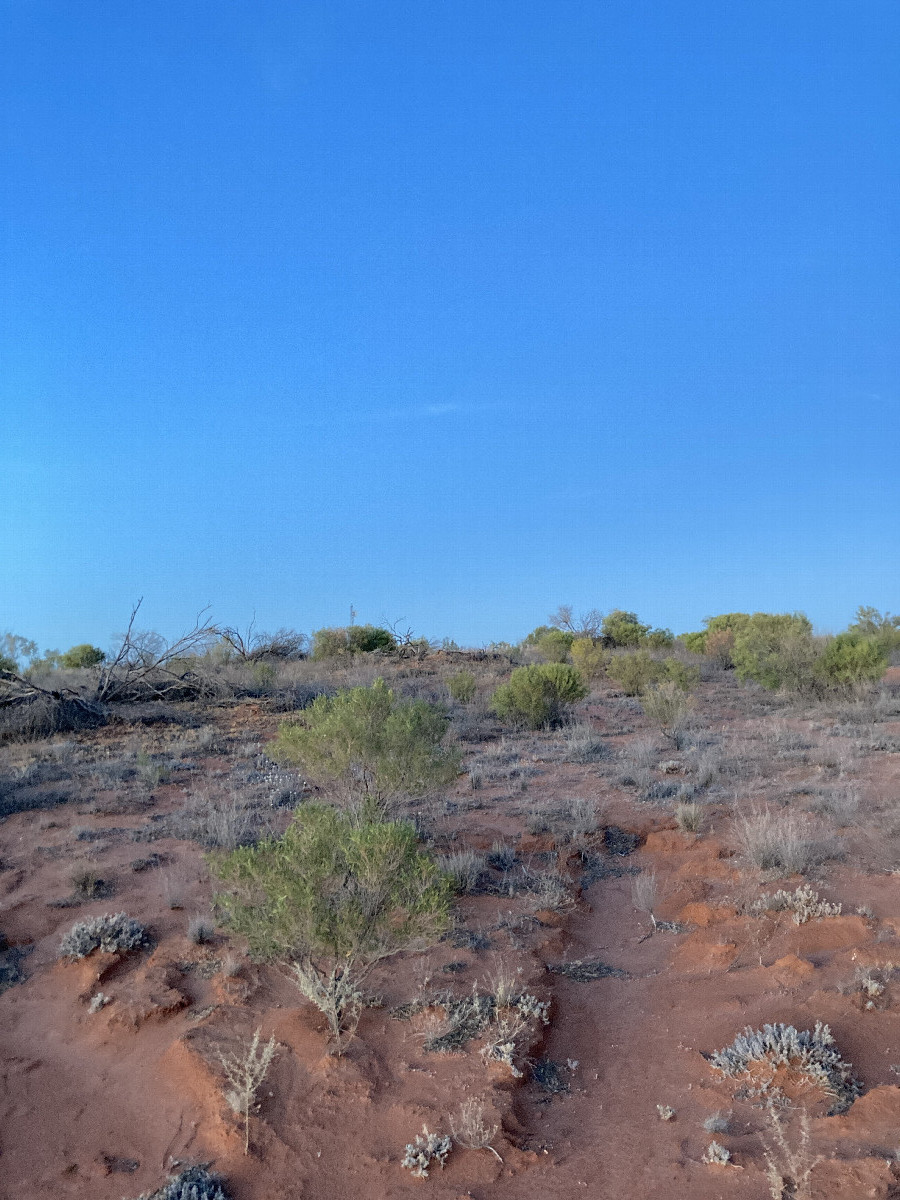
{"type": "Point", "coordinates": [339, 641]}
{"type": "Point", "coordinates": [850, 659]}
{"type": "Point", "coordinates": [589, 656]}
{"type": "Point", "coordinates": [809, 1052]}
{"type": "Point", "coordinates": [622, 629]}
{"type": "Point", "coordinates": [638, 671]}
{"type": "Point", "coordinates": [668, 707]}
{"type": "Point", "coordinates": [194, 1183]}
{"type": "Point", "coordinates": [462, 687]}
{"type": "Point", "coordinates": [331, 897]}
{"type": "Point", "coordinates": [112, 933]}
{"type": "Point", "coordinates": [538, 695]}
{"type": "Point", "coordinates": [369, 745]}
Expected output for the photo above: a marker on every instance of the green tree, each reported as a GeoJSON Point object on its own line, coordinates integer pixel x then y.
{"type": "Point", "coordinates": [539, 694]}
{"type": "Point", "coordinates": [83, 655]}
{"type": "Point", "coordinates": [622, 629]}
{"type": "Point", "coordinates": [330, 898]}
{"type": "Point", "coordinates": [369, 746]}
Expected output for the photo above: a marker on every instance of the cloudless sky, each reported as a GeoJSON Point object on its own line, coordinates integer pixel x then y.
{"type": "Point", "coordinates": [451, 310]}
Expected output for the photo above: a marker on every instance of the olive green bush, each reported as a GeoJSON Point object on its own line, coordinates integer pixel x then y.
{"type": "Point", "coordinates": [638, 671]}
{"type": "Point", "coordinates": [776, 650]}
{"type": "Point", "coordinates": [331, 897]}
{"type": "Point", "coordinates": [881, 628]}
{"type": "Point", "coordinates": [346, 640]}
{"type": "Point", "coordinates": [622, 629]}
{"type": "Point", "coordinates": [589, 656]}
{"type": "Point", "coordinates": [462, 686]}
{"type": "Point", "coordinates": [850, 659]}
{"type": "Point", "coordinates": [538, 695]}
{"type": "Point", "coordinates": [369, 746]}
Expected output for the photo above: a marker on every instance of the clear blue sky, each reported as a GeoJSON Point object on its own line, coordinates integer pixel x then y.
{"type": "Point", "coordinates": [452, 310]}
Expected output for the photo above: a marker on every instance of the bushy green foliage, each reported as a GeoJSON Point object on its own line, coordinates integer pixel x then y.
{"type": "Point", "coordinates": [777, 650]}
{"type": "Point", "coordinates": [881, 628]}
{"type": "Point", "coordinates": [589, 656]}
{"type": "Point", "coordinates": [462, 686]}
{"type": "Point", "coordinates": [537, 695]}
{"type": "Point", "coordinates": [369, 745]}
{"type": "Point", "coordinates": [555, 645]}
{"type": "Point", "coordinates": [622, 629]}
{"type": "Point", "coordinates": [351, 639]}
{"type": "Point", "coordinates": [851, 658]}
{"type": "Point", "coordinates": [83, 655]}
{"type": "Point", "coordinates": [638, 671]}
{"type": "Point", "coordinates": [333, 890]}
{"type": "Point", "coordinates": [724, 623]}
{"type": "Point", "coordinates": [695, 642]}
{"type": "Point", "coordinates": [660, 639]}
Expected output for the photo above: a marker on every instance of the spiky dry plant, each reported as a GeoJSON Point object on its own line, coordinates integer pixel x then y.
{"type": "Point", "coordinates": [245, 1072]}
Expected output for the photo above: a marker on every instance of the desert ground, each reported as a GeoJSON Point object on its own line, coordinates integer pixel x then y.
{"type": "Point", "coordinates": [604, 869]}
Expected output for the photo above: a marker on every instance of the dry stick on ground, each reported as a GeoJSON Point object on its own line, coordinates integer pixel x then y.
{"type": "Point", "coordinates": [245, 1072]}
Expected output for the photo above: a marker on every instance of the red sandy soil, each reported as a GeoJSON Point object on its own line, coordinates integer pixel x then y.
{"type": "Point", "coordinates": [102, 1105]}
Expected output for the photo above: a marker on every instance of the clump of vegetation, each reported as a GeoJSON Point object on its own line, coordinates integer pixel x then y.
{"type": "Point", "coordinates": [668, 707]}
{"type": "Point", "coordinates": [83, 655]}
{"type": "Point", "coordinates": [113, 933]}
{"type": "Point", "coordinates": [342, 641]}
{"type": "Point", "coordinates": [425, 1151]}
{"type": "Point", "coordinates": [245, 1073]}
{"type": "Point", "coordinates": [780, 841]}
{"type": "Point", "coordinates": [331, 897]}
{"type": "Point", "coordinates": [637, 672]}
{"type": "Point", "coordinates": [553, 645]}
{"type": "Point", "coordinates": [851, 659]}
{"type": "Point", "coordinates": [538, 695]}
{"type": "Point", "coordinates": [370, 746]}
{"type": "Point", "coordinates": [716, 1155]}
{"type": "Point", "coordinates": [194, 1183]}
{"type": "Point", "coordinates": [590, 656]}
{"type": "Point", "coordinates": [760, 1052]}
{"type": "Point", "coordinates": [462, 687]}
{"type": "Point", "coordinates": [805, 903]}
{"type": "Point", "coordinates": [471, 1130]}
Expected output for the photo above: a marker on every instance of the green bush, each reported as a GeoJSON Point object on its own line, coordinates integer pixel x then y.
{"type": "Point", "coordinates": [537, 695]}
{"type": "Point", "coordinates": [351, 639]}
{"type": "Point", "coordinates": [83, 655]}
{"type": "Point", "coordinates": [850, 658]}
{"type": "Point", "coordinates": [331, 897]}
{"type": "Point", "coordinates": [777, 650]}
{"type": "Point", "coordinates": [660, 639]}
{"type": "Point", "coordinates": [881, 628]}
{"type": "Point", "coordinates": [589, 656]}
{"type": "Point", "coordinates": [462, 686]}
{"type": "Point", "coordinates": [555, 645]}
{"type": "Point", "coordinates": [635, 672]}
{"type": "Point", "coordinates": [623, 629]}
{"type": "Point", "coordinates": [638, 671]}
{"type": "Point", "coordinates": [345, 891]}
{"type": "Point", "coordinates": [370, 746]}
